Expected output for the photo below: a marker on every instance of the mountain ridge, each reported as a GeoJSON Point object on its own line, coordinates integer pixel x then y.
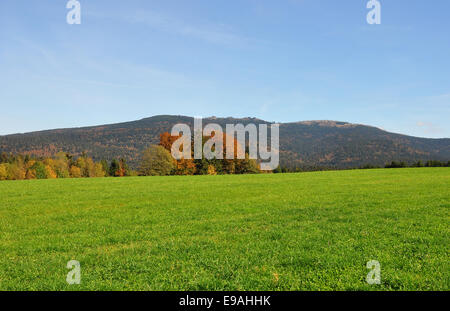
{"type": "Point", "coordinates": [307, 122]}
{"type": "Point", "coordinates": [304, 144]}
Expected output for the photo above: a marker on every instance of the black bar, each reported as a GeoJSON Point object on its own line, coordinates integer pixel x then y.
{"type": "Point", "coordinates": [232, 300]}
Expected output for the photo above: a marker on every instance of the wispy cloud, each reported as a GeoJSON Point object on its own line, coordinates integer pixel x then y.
{"type": "Point", "coordinates": [209, 33]}
{"type": "Point", "coordinates": [66, 66]}
{"type": "Point", "coordinates": [429, 128]}
{"type": "Point", "coordinates": [212, 33]}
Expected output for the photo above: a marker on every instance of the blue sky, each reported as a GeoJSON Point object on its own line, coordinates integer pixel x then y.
{"type": "Point", "coordinates": [287, 60]}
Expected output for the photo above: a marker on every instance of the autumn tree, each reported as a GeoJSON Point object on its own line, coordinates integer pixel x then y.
{"type": "Point", "coordinates": [39, 169]}
{"type": "Point", "coordinates": [156, 161]}
{"type": "Point", "coordinates": [118, 168]}
{"type": "Point", "coordinates": [16, 170]}
{"type": "Point", "coordinates": [61, 165]}
{"type": "Point", "coordinates": [183, 166]}
{"type": "Point", "coordinates": [50, 170]}
{"type": "Point", "coordinates": [211, 170]}
{"type": "Point", "coordinates": [99, 171]}
{"type": "Point", "coordinates": [166, 140]}
{"type": "Point", "coordinates": [50, 173]}
{"type": "Point", "coordinates": [75, 171]}
{"type": "Point", "coordinates": [105, 167]}
{"type": "Point", "coordinates": [123, 167]}
{"type": "Point", "coordinates": [4, 171]}
{"type": "Point", "coordinates": [246, 166]}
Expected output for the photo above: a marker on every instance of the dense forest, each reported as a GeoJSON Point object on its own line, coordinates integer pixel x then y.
{"type": "Point", "coordinates": [308, 145]}
{"type": "Point", "coordinates": [61, 165]}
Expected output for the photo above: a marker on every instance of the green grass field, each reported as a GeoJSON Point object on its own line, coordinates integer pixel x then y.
{"type": "Point", "coordinates": [307, 231]}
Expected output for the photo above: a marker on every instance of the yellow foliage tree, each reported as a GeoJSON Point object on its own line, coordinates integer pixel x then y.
{"type": "Point", "coordinates": [211, 170]}
{"type": "Point", "coordinates": [31, 174]}
{"type": "Point", "coordinates": [75, 172]}
{"type": "Point", "coordinates": [49, 172]}
{"type": "Point", "coordinates": [99, 172]}
{"type": "Point", "coordinates": [16, 171]}
{"type": "Point", "coordinates": [3, 171]}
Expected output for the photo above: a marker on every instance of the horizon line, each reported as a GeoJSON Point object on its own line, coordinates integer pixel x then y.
{"type": "Point", "coordinates": [217, 117]}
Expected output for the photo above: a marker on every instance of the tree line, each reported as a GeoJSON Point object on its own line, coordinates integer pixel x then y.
{"type": "Point", "coordinates": [62, 165]}
{"type": "Point", "coordinates": [393, 164]}
{"type": "Point", "coordinates": [429, 163]}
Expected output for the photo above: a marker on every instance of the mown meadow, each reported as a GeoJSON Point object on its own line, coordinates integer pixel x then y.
{"type": "Point", "coordinates": [304, 231]}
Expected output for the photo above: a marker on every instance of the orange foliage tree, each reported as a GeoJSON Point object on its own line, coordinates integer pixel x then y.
{"type": "Point", "coordinates": [214, 166]}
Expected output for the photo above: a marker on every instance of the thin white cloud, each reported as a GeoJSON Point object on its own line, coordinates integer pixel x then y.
{"type": "Point", "coordinates": [212, 33]}
{"type": "Point", "coordinates": [209, 33]}
{"type": "Point", "coordinates": [429, 128]}
{"type": "Point", "coordinates": [46, 64]}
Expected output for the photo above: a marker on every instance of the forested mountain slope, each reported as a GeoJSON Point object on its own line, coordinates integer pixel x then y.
{"type": "Point", "coordinates": [309, 144]}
